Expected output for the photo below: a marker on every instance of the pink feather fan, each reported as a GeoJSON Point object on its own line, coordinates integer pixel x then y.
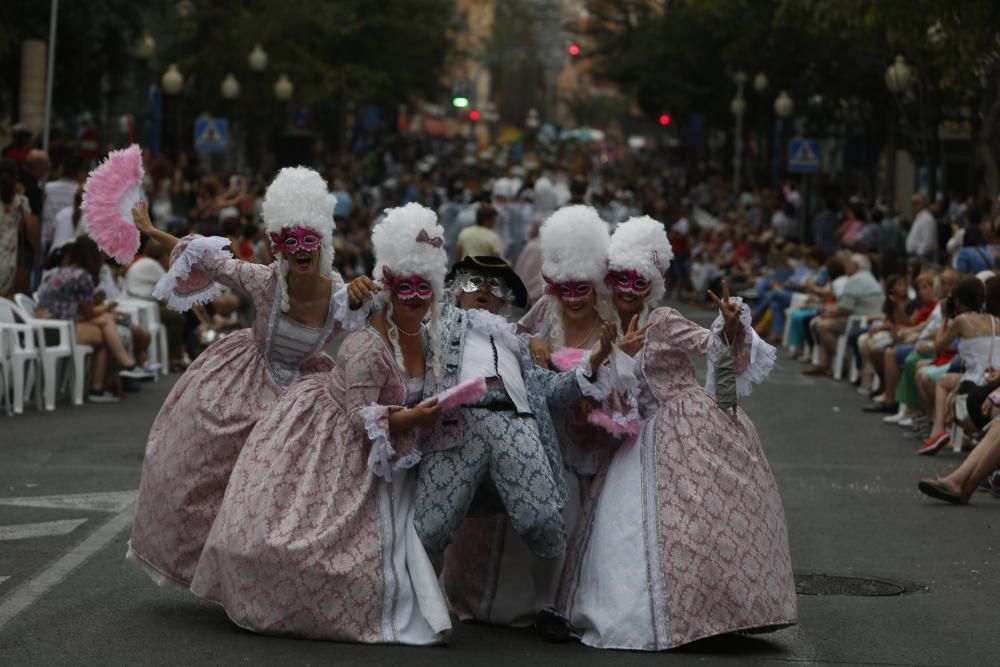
{"type": "Point", "coordinates": [109, 194]}
{"type": "Point", "coordinates": [464, 393]}
{"type": "Point", "coordinates": [569, 358]}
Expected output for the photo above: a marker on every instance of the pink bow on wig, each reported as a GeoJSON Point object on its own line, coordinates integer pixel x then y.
{"type": "Point", "coordinates": [424, 237]}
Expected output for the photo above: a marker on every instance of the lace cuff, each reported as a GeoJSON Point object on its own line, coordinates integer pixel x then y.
{"type": "Point", "coordinates": [350, 320]}
{"type": "Point", "coordinates": [762, 355]}
{"type": "Point", "coordinates": [600, 387]}
{"type": "Point", "coordinates": [382, 459]}
{"type": "Point", "coordinates": [187, 283]}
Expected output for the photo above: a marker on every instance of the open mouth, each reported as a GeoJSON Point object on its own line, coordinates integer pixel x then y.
{"type": "Point", "coordinates": [303, 259]}
{"type": "Point", "coordinates": [482, 300]}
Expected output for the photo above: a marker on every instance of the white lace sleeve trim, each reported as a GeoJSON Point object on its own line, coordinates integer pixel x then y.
{"type": "Point", "coordinates": [762, 355]}
{"type": "Point", "coordinates": [190, 260]}
{"type": "Point", "coordinates": [350, 320]}
{"type": "Point", "coordinates": [600, 388]}
{"type": "Point", "coordinates": [380, 459]}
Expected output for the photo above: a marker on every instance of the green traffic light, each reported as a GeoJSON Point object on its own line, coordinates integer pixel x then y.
{"type": "Point", "coordinates": [460, 102]}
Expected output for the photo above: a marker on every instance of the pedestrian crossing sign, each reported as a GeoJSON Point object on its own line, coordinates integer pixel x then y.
{"type": "Point", "coordinates": [211, 135]}
{"type": "Point", "coordinates": [804, 156]}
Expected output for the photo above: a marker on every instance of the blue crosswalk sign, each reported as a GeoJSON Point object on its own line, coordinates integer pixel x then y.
{"type": "Point", "coordinates": [804, 156]}
{"type": "Point", "coordinates": [211, 135]}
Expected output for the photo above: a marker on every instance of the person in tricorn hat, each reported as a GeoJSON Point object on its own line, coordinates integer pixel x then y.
{"type": "Point", "coordinates": [505, 441]}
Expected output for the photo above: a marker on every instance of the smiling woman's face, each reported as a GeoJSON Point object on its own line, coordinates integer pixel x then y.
{"type": "Point", "coordinates": [302, 248]}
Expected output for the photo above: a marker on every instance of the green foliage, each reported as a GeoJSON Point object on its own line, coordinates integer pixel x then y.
{"type": "Point", "coordinates": [378, 51]}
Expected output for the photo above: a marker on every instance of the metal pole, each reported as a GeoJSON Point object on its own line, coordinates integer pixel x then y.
{"type": "Point", "coordinates": [50, 73]}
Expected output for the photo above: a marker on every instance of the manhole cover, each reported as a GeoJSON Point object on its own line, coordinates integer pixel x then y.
{"type": "Point", "coordinates": [829, 584]}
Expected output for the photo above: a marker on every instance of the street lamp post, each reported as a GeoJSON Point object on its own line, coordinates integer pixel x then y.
{"type": "Point", "coordinates": [257, 59]}
{"type": "Point", "coordinates": [172, 83]}
{"type": "Point", "coordinates": [898, 78]}
{"type": "Point", "coordinates": [738, 106]}
{"type": "Point", "coordinates": [783, 108]}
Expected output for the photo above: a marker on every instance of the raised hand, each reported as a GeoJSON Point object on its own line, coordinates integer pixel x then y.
{"type": "Point", "coordinates": [730, 311]}
{"type": "Point", "coordinates": [602, 350]}
{"type": "Point", "coordinates": [360, 290]}
{"type": "Point", "coordinates": [140, 216]}
{"type": "Point", "coordinates": [634, 338]}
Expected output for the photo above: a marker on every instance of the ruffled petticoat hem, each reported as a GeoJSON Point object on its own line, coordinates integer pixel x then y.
{"type": "Point", "coordinates": [763, 627]}
{"type": "Point", "coordinates": [159, 577]}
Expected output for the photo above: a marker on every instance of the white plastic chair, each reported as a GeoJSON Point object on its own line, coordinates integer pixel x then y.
{"type": "Point", "coordinates": [51, 355]}
{"type": "Point", "coordinates": [21, 356]}
{"type": "Point", "coordinates": [853, 322]}
{"type": "Point", "coordinates": [149, 319]}
{"type": "Point", "coordinates": [5, 370]}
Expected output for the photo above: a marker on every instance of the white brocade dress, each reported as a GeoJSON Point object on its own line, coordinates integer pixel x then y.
{"type": "Point", "coordinates": [315, 534]}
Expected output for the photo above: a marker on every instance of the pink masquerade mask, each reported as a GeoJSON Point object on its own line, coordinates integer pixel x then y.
{"type": "Point", "coordinates": [571, 291]}
{"type": "Point", "coordinates": [291, 240]}
{"type": "Point", "coordinates": [407, 288]}
{"type": "Point", "coordinates": [629, 282]}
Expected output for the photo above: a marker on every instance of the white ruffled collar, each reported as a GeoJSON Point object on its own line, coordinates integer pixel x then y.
{"type": "Point", "coordinates": [493, 325]}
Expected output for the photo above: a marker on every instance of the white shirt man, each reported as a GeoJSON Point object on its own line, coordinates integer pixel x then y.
{"type": "Point", "coordinates": [922, 239]}
{"type": "Point", "coordinates": [142, 276]}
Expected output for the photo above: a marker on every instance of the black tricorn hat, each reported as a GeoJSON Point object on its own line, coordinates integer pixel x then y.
{"type": "Point", "coordinates": [493, 266]}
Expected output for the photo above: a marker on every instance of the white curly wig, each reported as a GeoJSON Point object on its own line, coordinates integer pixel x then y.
{"type": "Point", "coordinates": [641, 245]}
{"type": "Point", "coordinates": [298, 197]}
{"type": "Point", "coordinates": [409, 241]}
{"type": "Point", "coordinates": [575, 245]}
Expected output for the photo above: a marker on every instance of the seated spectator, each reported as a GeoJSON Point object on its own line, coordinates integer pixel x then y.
{"type": "Point", "coordinates": [975, 255]}
{"type": "Point", "coordinates": [862, 296]}
{"type": "Point", "coordinates": [67, 292]}
{"type": "Point", "coordinates": [799, 329]}
{"type": "Point", "coordinates": [896, 312]}
{"type": "Point", "coordinates": [15, 213]}
{"type": "Point", "coordinates": [978, 345]}
{"type": "Point", "coordinates": [779, 297]}
{"type": "Point", "coordinates": [958, 486]}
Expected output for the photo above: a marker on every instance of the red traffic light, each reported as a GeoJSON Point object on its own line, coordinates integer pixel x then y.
{"type": "Point", "coordinates": [573, 50]}
{"type": "Point", "coordinates": [664, 120]}
{"type": "Point", "coordinates": [473, 115]}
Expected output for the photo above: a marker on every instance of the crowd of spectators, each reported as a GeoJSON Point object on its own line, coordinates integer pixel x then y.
{"type": "Point", "coordinates": [904, 306]}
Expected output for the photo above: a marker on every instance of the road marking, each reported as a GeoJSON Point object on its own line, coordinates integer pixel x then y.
{"type": "Point", "coordinates": [111, 501]}
{"type": "Point", "coordinates": [26, 531]}
{"type": "Point", "coordinates": [25, 595]}
{"type": "Point", "coordinates": [3, 579]}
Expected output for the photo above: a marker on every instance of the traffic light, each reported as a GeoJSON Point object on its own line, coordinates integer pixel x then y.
{"type": "Point", "coordinates": [664, 119]}
{"type": "Point", "coordinates": [473, 115]}
{"type": "Point", "coordinates": [573, 50]}
{"type": "Point", "coordinates": [460, 93]}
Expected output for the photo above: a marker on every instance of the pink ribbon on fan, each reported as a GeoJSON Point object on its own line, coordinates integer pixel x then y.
{"type": "Point", "coordinates": [424, 237]}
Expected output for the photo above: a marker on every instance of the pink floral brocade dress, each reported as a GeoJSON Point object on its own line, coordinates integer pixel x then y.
{"type": "Point", "coordinates": [684, 534]}
{"type": "Point", "coordinates": [315, 535]}
{"type": "Point", "coordinates": [208, 415]}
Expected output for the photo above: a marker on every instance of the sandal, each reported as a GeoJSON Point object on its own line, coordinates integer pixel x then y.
{"type": "Point", "coordinates": [935, 488]}
{"type": "Point", "coordinates": [934, 444]}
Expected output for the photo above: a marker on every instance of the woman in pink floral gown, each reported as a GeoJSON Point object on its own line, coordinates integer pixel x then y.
{"type": "Point", "coordinates": [315, 535]}
{"type": "Point", "coordinates": [684, 536]}
{"type": "Point", "coordinates": [194, 442]}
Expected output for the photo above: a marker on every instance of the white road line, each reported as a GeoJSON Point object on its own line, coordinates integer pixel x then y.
{"type": "Point", "coordinates": [110, 501]}
{"type": "Point", "coordinates": [25, 595]}
{"type": "Point", "coordinates": [24, 531]}
{"type": "Point", "coordinates": [3, 579]}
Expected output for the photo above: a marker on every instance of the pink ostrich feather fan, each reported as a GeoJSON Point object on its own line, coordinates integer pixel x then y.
{"type": "Point", "coordinates": [604, 420]}
{"type": "Point", "coordinates": [109, 194]}
{"type": "Point", "coordinates": [464, 393]}
{"type": "Point", "coordinates": [568, 358]}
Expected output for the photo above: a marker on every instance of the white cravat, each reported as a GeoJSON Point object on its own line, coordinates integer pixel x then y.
{"type": "Point", "coordinates": [487, 353]}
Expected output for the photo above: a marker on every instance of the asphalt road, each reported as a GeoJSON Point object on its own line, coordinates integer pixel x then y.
{"type": "Point", "coordinates": [68, 597]}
